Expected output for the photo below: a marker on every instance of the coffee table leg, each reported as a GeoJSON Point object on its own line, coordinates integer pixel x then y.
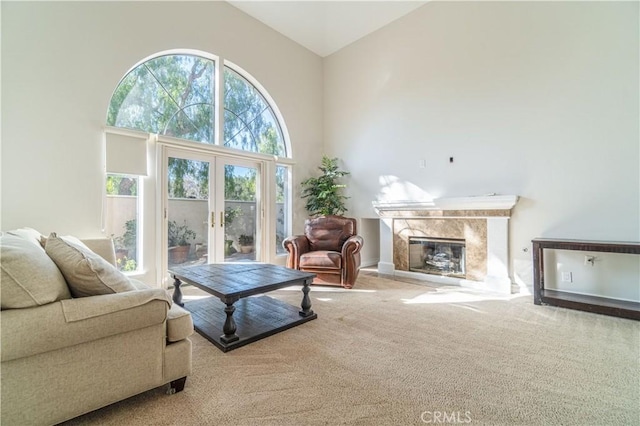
{"type": "Point", "coordinates": [177, 293]}
{"type": "Point", "coordinates": [306, 301]}
{"type": "Point", "coordinates": [229, 327]}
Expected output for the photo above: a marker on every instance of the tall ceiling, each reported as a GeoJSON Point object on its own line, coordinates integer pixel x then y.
{"type": "Point", "coordinates": [325, 27]}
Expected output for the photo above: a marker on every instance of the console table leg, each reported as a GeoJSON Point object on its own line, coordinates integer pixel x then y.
{"type": "Point", "coordinates": [229, 327]}
{"type": "Point", "coordinates": [306, 301]}
{"type": "Point", "coordinates": [177, 293]}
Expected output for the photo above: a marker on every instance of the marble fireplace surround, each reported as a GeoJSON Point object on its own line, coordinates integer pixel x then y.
{"type": "Point", "coordinates": [482, 221]}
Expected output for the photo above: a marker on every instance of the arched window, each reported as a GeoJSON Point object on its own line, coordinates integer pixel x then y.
{"type": "Point", "coordinates": [249, 121]}
{"type": "Point", "coordinates": [174, 95]}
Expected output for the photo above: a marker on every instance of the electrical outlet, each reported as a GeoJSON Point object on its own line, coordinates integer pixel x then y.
{"type": "Point", "coordinates": [567, 277]}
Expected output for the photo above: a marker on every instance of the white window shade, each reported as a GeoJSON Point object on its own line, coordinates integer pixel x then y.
{"type": "Point", "coordinates": [127, 154]}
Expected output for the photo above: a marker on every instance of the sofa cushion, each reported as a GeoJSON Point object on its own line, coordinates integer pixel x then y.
{"type": "Point", "coordinates": [87, 273]}
{"type": "Point", "coordinates": [179, 324]}
{"type": "Point", "coordinates": [29, 277]}
{"type": "Point", "coordinates": [28, 234]}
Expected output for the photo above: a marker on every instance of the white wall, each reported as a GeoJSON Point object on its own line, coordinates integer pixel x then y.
{"type": "Point", "coordinates": [613, 275]}
{"type": "Point", "coordinates": [369, 229]}
{"type": "Point", "coordinates": [61, 62]}
{"type": "Point", "coordinates": [537, 99]}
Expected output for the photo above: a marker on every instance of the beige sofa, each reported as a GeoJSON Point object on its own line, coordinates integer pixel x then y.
{"type": "Point", "coordinates": [64, 356]}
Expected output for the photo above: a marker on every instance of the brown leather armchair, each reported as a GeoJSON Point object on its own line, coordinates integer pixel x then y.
{"type": "Point", "coordinates": [329, 248]}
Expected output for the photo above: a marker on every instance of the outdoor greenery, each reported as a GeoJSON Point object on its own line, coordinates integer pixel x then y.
{"type": "Point", "coordinates": [121, 185]}
{"type": "Point", "coordinates": [230, 214]}
{"type": "Point", "coordinates": [245, 240]}
{"type": "Point", "coordinates": [127, 265]}
{"type": "Point", "coordinates": [173, 95]}
{"type": "Point", "coordinates": [126, 247]}
{"type": "Point", "coordinates": [179, 235]}
{"type": "Point", "coordinates": [130, 235]}
{"type": "Point", "coordinates": [188, 179]}
{"type": "Point", "coordinates": [324, 193]}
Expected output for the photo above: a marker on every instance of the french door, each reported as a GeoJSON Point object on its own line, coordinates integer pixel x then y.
{"type": "Point", "coordinates": [211, 209]}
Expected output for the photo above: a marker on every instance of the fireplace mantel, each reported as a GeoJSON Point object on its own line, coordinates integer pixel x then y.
{"type": "Point", "coordinates": [480, 202]}
{"type": "Point", "coordinates": [488, 214]}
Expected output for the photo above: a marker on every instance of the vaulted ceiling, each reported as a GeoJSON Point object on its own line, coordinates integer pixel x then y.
{"type": "Point", "coordinates": [325, 27]}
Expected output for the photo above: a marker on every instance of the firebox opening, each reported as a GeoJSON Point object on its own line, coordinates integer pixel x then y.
{"type": "Point", "coordinates": [437, 256]}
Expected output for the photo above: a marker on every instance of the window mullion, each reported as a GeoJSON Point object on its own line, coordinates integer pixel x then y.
{"type": "Point", "coordinates": [219, 102]}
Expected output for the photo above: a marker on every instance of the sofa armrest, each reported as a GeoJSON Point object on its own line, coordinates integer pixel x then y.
{"type": "Point", "coordinates": [83, 308]}
{"type": "Point", "coordinates": [296, 245]}
{"type": "Point", "coordinates": [31, 331]}
{"type": "Point", "coordinates": [179, 324]}
{"type": "Point", "coordinates": [103, 247]}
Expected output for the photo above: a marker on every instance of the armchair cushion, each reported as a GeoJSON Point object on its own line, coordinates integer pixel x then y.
{"type": "Point", "coordinates": [29, 277]}
{"type": "Point", "coordinates": [87, 273]}
{"type": "Point", "coordinates": [321, 259]}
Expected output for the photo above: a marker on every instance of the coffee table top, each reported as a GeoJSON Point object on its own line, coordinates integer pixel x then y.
{"type": "Point", "coordinates": [237, 280]}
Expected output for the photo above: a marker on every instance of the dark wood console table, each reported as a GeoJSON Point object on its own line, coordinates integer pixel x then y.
{"type": "Point", "coordinates": [599, 305]}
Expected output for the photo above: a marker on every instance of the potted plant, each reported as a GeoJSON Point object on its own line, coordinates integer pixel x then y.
{"type": "Point", "coordinates": [125, 247]}
{"type": "Point", "coordinates": [324, 193]}
{"type": "Point", "coordinates": [179, 245]}
{"type": "Point", "coordinates": [246, 243]}
{"type": "Point", "coordinates": [130, 236]}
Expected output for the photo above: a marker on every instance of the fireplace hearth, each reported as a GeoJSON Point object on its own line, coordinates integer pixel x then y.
{"type": "Point", "coordinates": [437, 256]}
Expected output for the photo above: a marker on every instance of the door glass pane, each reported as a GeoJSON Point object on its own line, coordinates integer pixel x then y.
{"type": "Point", "coordinates": [188, 210]}
{"type": "Point", "coordinates": [240, 213]}
{"type": "Point", "coordinates": [283, 228]}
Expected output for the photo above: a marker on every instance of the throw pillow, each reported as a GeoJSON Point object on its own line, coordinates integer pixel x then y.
{"type": "Point", "coordinates": [29, 277]}
{"type": "Point", "coordinates": [87, 273]}
{"type": "Point", "coordinates": [28, 234]}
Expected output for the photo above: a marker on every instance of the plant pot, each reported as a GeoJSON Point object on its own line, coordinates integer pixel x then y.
{"type": "Point", "coordinates": [178, 254]}
{"type": "Point", "coordinates": [246, 249]}
{"type": "Point", "coordinates": [228, 248]}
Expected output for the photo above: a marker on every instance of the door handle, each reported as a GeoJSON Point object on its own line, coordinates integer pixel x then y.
{"type": "Point", "coordinates": [221, 219]}
{"type": "Point", "coordinates": [213, 219]}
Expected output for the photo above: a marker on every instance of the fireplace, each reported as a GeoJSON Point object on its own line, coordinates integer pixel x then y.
{"type": "Point", "coordinates": [476, 228]}
{"type": "Point", "coordinates": [437, 256]}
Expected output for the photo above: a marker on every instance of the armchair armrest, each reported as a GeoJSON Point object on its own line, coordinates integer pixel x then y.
{"type": "Point", "coordinates": [352, 246]}
{"type": "Point", "coordinates": [296, 245]}
{"type": "Point", "coordinates": [31, 331]}
{"type": "Point", "coordinates": [351, 258]}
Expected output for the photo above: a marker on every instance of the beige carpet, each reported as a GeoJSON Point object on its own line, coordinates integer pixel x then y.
{"type": "Point", "coordinates": [397, 353]}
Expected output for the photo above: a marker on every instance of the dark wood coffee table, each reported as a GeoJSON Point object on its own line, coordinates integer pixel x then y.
{"type": "Point", "coordinates": [232, 319]}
